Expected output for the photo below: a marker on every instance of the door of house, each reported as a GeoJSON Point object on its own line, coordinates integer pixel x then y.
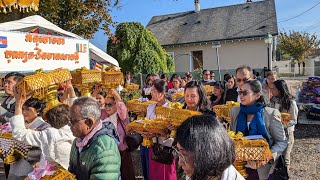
{"type": "Point", "coordinates": [197, 59]}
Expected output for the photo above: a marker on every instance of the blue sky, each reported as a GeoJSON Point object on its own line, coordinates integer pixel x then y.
{"type": "Point", "coordinates": [143, 10]}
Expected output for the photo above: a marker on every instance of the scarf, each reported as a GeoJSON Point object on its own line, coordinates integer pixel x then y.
{"type": "Point", "coordinates": [257, 126]}
{"type": "Point", "coordinates": [80, 143]}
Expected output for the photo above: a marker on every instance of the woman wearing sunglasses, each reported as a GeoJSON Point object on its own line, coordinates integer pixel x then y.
{"type": "Point", "coordinates": [205, 150]}
{"type": "Point", "coordinates": [284, 101]}
{"type": "Point", "coordinates": [153, 170]}
{"type": "Point", "coordinates": [116, 112]}
{"type": "Point", "coordinates": [254, 118]}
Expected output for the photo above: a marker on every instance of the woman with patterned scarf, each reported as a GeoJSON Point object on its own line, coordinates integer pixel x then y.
{"type": "Point", "coordinates": [254, 118]}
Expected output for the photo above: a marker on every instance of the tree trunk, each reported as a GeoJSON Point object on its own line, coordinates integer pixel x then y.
{"type": "Point", "coordinates": [303, 67]}
{"type": "Point", "coordinates": [299, 67]}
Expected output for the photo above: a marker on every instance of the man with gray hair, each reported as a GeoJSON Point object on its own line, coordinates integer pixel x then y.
{"type": "Point", "coordinates": [94, 153]}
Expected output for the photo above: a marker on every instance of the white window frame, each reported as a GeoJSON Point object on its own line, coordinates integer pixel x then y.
{"type": "Point", "coordinates": [171, 54]}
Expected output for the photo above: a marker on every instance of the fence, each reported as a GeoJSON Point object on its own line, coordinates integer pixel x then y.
{"type": "Point", "coordinates": [294, 73]}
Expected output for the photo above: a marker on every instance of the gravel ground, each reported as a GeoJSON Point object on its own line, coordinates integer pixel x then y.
{"type": "Point", "coordinates": [306, 153]}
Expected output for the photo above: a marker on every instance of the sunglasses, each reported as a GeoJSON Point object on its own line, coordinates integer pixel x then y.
{"type": "Point", "coordinates": [72, 123]}
{"type": "Point", "coordinates": [243, 93]}
{"type": "Point", "coordinates": [244, 80]}
{"type": "Point", "coordinates": [109, 104]}
{"type": "Point", "coordinates": [207, 74]}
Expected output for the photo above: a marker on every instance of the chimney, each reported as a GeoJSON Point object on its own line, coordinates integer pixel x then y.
{"type": "Point", "coordinates": [196, 5]}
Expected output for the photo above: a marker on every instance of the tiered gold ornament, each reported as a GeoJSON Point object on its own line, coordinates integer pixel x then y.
{"type": "Point", "coordinates": [177, 96]}
{"type": "Point", "coordinates": [132, 87]}
{"type": "Point", "coordinates": [59, 174]}
{"type": "Point", "coordinates": [249, 150]}
{"type": "Point", "coordinates": [139, 107]}
{"type": "Point", "coordinates": [24, 6]}
{"type": "Point", "coordinates": [285, 118]}
{"type": "Point", "coordinates": [208, 89]}
{"type": "Point", "coordinates": [175, 115]}
{"type": "Point", "coordinates": [85, 79]}
{"type": "Point", "coordinates": [42, 85]}
{"type": "Point", "coordinates": [12, 150]}
{"type": "Point", "coordinates": [112, 77]}
{"type": "Point", "coordinates": [148, 129]}
{"type": "Point", "coordinates": [223, 111]}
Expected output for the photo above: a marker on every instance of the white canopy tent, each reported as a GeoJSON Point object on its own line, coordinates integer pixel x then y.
{"type": "Point", "coordinates": [44, 26]}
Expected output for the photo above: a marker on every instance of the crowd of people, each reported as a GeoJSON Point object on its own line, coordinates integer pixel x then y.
{"type": "Point", "coordinates": [87, 135]}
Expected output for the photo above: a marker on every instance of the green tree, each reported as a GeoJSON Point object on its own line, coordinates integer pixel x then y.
{"type": "Point", "coordinates": [82, 17]}
{"type": "Point", "coordinates": [298, 45]}
{"type": "Point", "coordinates": [138, 51]}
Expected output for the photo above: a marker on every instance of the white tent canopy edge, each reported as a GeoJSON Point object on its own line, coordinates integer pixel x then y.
{"type": "Point", "coordinates": [29, 23]}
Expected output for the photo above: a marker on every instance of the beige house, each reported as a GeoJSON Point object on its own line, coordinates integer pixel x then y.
{"type": "Point", "coordinates": [236, 32]}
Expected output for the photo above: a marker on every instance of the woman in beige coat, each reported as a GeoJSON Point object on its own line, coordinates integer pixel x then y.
{"type": "Point", "coordinates": [254, 118]}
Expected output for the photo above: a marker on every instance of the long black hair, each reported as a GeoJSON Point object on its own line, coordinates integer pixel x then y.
{"type": "Point", "coordinates": [204, 103]}
{"type": "Point", "coordinates": [209, 144]}
{"type": "Point", "coordinates": [285, 98]}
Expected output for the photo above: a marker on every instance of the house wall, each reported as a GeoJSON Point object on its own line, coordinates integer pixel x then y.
{"type": "Point", "coordinates": [232, 55]}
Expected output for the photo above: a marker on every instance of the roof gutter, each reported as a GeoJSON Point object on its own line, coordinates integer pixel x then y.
{"type": "Point", "coordinates": [220, 40]}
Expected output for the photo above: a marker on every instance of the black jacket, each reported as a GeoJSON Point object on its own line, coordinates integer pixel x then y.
{"type": "Point", "coordinates": [231, 95]}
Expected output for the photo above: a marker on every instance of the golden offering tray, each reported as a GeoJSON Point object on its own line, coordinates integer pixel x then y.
{"type": "Point", "coordinates": [11, 150]}
{"type": "Point", "coordinates": [223, 111]}
{"type": "Point", "coordinates": [177, 96]}
{"type": "Point", "coordinates": [59, 174]}
{"type": "Point", "coordinates": [208, 89]}
{"type": "Point", "coordinates": [36, 84]}
{"type": "Point", "coordinates": [112, 77]}
{"type": "Point", "coordinates": [175, 115]}
{"type": "Point", "coordinates": [42, 85]}
{"type": "Point", "coordinates": [285, 118]}
{"type": "Point", "coordinates": [139, 107]}
{"type": "Point", "coordinates": [256, 150]}
{"type": "Point", "coordinates": [132, 87]}
{"type": "Point", "coordinates": [148, 129]}
{"type": "Point", "coordinates": [85, 79]}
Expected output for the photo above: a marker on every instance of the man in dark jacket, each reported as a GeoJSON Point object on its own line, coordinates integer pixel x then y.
{"type": "Point", "coordinates": [94, 153]}
{"type": "Point", "coordinates": [243, 74]}
{"type": "Point", "coordinates": [8, 106]}
{"type": "Point", "coordinates": [206, 78]}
